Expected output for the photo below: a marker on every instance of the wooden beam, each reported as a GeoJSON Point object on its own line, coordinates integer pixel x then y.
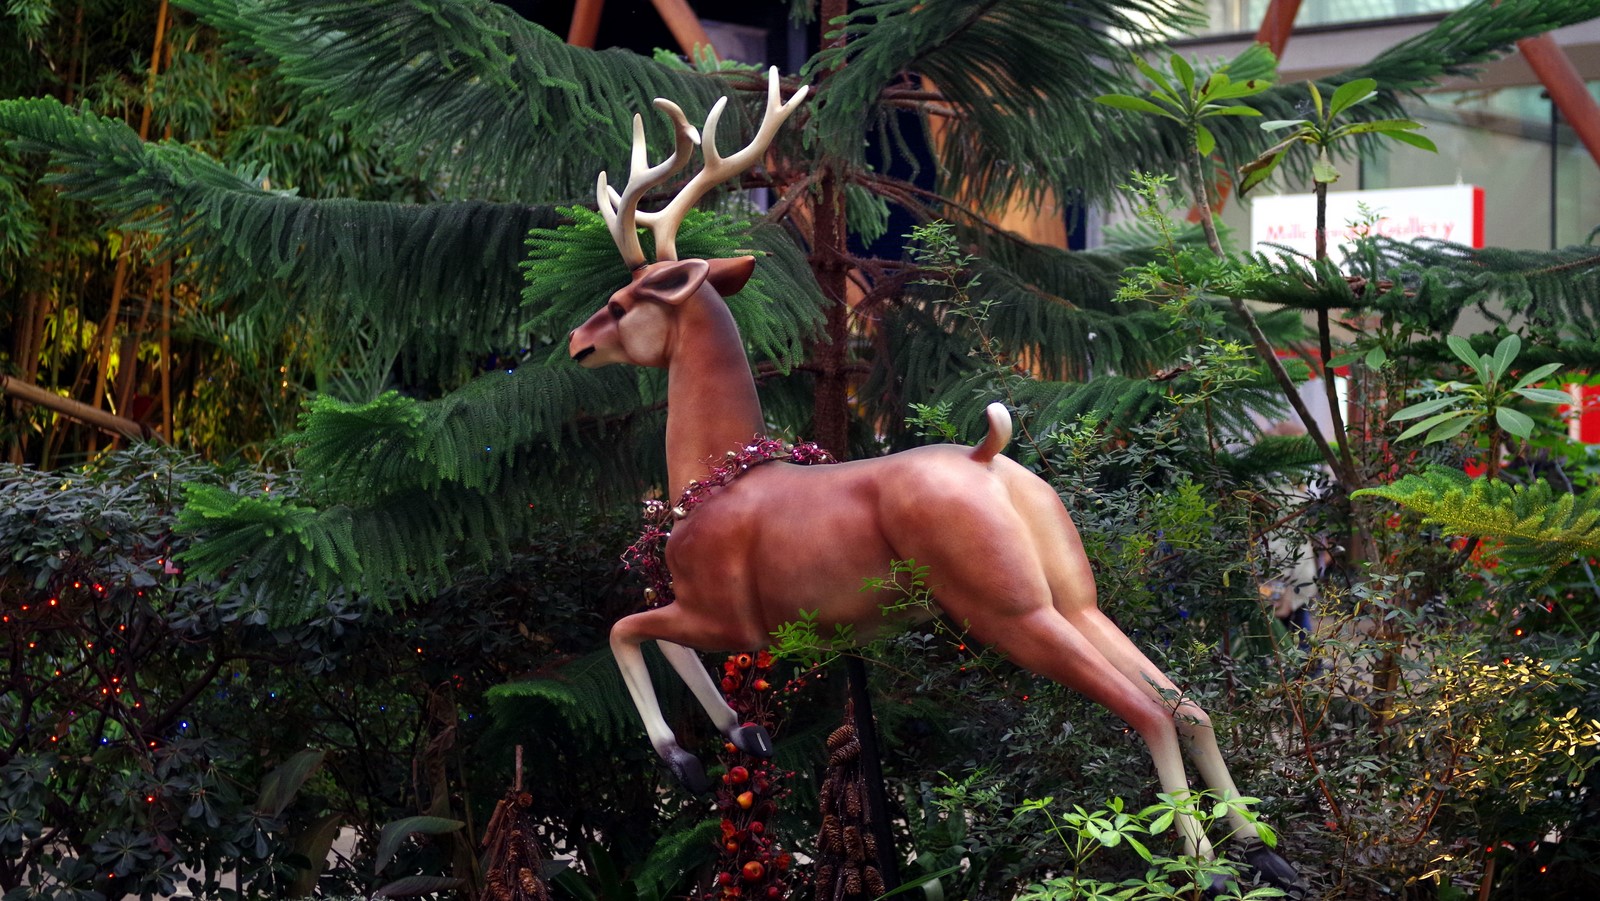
{"type": "Point", "coordinates": [585, 23]}
{"type": "Point", "coordinates": [1567, 89]}
{"type": "Point", "coordinates": [73, 409]}
{"type": "Point", "coordinates": [684, 25]}
{"type": "Point", "coordinates": [1277, 24]}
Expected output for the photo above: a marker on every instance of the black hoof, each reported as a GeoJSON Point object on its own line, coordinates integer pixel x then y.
{"type": "Point", "coordinates": [687, 770]}
{"type": "Point", "coordinates": [752, 740]}
{"type": "Point", "coordinates": [1272, 869]}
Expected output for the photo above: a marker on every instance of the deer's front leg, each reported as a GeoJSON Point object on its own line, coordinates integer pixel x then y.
{"type": "Point", "coordinates": [627, 636]}
{"type": "Point", "coordinates": [749, 738]}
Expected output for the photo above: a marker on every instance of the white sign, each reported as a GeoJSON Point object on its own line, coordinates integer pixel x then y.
{"type": "Point", "coordinates": [1449, 213]}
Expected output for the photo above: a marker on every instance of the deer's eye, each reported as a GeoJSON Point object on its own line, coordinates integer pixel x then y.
{"type": "Point", "coordinates": [615, 309]}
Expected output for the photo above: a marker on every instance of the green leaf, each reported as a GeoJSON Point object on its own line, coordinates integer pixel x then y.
{"type": "Point", "coordinates": [1435, 421]}
{"type": "Point", "coordinates": [1204, 140]}
{"type": "Point", "coordinates": [1258, 170]}
{"type": "Point", "coordinates": [1160, 823]}
{"type": "Point", "coordinates": [1316, 98]}
{"type": "Point", "coordinates": [279, 787]}
{"type": "Point", "coordinates": [1323, 170]}
{"type": "Point", "coordinates": [1344, 359]}
{"type": "Point", "coordinates": [1237, 89]}
{"type": "Point", "coordinates": [1235, 110]}
{"type": "Point", "coordinates": [1217, 81]}
{"type": "Point", "coordinates": [1154, 74]}
{"type": "Point", "coordinates": [1514, 421]}
{"type": "Point", "coordinates": [1448, 430]}
{"type": "Point", "coordinates": [1279, 124]}
{"type": "Point", "coordinates": [1425, 408]}
{"type": "Point", "coordinates": [1382, 126]}
{"type": "Point", "coordinates": [1376, 357]}
{"type": "Point", "coordinates": [1415, 140]}
{"type": "Point", "coordinates": [1504, 354]}
{"type": "Point", "coordinates": [1268, 835]}
{"type": "Point", "coordinates": [397, 831]}
{"type": "Point", "coordinates": [1545, 395]}
{"type": "Point", "coordinates": [1185, 73]}
{"type": "Point", "coordinates": [1349, 94]}
{"type": "Point", "coordinates": [1137, 104]}
{"type": "Point", "coordinates": [1539, 374]}
{"type": "Point", "coordinates": [1464, 352]}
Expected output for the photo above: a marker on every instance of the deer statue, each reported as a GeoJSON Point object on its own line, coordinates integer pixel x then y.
{"type": "Point", "coordinates": [1004, 559]}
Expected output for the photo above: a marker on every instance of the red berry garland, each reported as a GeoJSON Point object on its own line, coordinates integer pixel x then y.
{"type": "Point", "coordinates": [648, 555]}
{"type": "Point", "coordinates": [751, 863]}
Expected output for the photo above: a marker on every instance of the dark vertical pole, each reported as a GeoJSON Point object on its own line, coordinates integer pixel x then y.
{"type": "Point", "coordinates": [830, 415]}
{"type": "Point", "coordinates": [830, 406]}
{"type": "Point", "coordinates": [1555, 167]}
{"type": "Point", "coordinates": [872, 773]}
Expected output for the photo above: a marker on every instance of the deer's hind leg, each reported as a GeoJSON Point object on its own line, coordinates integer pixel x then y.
{"type": "Point", "coordinates": [1073, 594]}
{"type": "Point", "coordinates": [993, 581]}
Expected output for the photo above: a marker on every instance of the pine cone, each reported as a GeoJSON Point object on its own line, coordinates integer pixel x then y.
{"type": "Point", "coordinates": [845, 753]}
{"type": "Point", "coordinates": [852, 801]}
{"type": "Point", "coordinates": [841, 737]}
{"type": "Point", "coordinates": [824, 880]}
{"type": "Point", "coordinates": [852, 880]}
{"type": "Point", "coordinates": [875, 885]}
{"type": "Point", "coordinates": [832, 837]}
{"type": "Point", "coordinates": [855, 849]}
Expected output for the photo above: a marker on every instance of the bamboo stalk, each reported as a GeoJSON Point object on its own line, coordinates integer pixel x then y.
{"type": "Point", "coordinates": [105, 340]}
{"type": "Point", "coordinates": [74, 409]}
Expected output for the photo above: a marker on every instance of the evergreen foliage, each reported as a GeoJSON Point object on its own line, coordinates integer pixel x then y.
{"type": "Point", "coordinates": [1022, 71]}
{"type": "Point", "coordinates": [1536, 521]}
{"type": "Point", "coordinates": [587, 697]}
{"type": "Point", "coordinates": [499, 113]}
{"type": "Point", "coordinates": [431, 285]}
{"type": "Point", "coordinates": [497, 106]}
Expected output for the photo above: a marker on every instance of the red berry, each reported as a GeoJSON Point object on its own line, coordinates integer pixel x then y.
{"type": "Point", "coordinates": [738, 775]}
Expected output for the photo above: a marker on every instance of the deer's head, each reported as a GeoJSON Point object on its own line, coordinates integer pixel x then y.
{"type": "Point", "coordinates": [638, 324]}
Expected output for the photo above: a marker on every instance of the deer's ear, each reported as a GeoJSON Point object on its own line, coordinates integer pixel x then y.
{"type": "Point", "coordinates": [672, 283]}
{"type": "Point", "coordinates": [729, 275]}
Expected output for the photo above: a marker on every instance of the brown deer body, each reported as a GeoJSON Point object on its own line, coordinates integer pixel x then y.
{"type": "Point", "coordinates": [1005, 560]}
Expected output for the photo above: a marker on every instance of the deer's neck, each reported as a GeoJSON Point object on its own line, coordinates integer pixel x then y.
{"type": "Point", "coordinates": [711, 396]}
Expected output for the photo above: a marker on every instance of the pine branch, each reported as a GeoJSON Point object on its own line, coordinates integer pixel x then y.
{"type": "Point", "coordinates": [1535, 520]}
{"type": "Point", "coordinates": [586, 698]}
{"type": "Point", "coordinates": [291, 555]}
{"type": "Point", "coordinates": [507, 109]}
{"type": "Point", "coordinates": [474, 437]}
{"type": "Point", "coordinates": [1428, 284]}
{"type": "Point", "coordinates": [436, 284]}
{"type": "Point", "coordinates": [1017, 73]}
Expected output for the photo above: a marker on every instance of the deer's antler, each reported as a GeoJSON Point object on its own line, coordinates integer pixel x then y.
{"type": "Point", "coordinates": [621, 212]}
